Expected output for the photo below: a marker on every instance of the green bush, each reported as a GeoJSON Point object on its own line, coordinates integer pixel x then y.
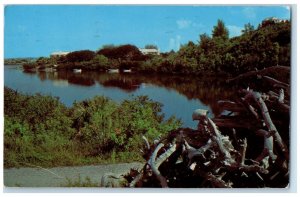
{"type": "Point", "coordinates": [36, 130]}
{"type": "Point", "coordinates": [40, 130]}
{"type": "Point", "coordinates": [30, 65]}
{"type": "Point", "coordinates": [106, 126]}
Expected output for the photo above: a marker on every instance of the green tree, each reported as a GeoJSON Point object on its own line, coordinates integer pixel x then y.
{"type": "Point", "coordinates": [205, 42]}
{"type": "Point", "coordinates": [220, 30]}
{"type": "Point", "coordinates": [101, 62]}
{"type": "Point", "coordinates": [124, 52]}
{"type": "Point", "coordinates": [150, 46]}
{"type": "Point", "coordinates": [108, 46]}
{"type": "Point", "coordinates": [248, 28]}
{"type": "Point", "coordinates": [42, 61]}
{"type": "Point", "coordinates": [79, 56]}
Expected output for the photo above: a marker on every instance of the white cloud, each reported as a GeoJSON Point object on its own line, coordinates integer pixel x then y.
{"type": "Point", "coordinates": [234, 30]}
{"type": "Point", "coordinates": [287, 7]}
{"type": "Point", "coordinates": [174, 43]}
{"type": "Point", "coordinates": [249, 12]}
{"type": "Point", "coordinates": [182, 24]}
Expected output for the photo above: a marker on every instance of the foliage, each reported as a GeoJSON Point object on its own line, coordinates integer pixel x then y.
{"type": "Point", "coordinates": [29, 66]}
{"type": "Point", "coordinates": [151, 46]}
{"type": "Point", "coordinates": [101, 60]}
{"type": "Point", "coordinates": [104, 126]}
{"type": "Point", "coordinates": [78, 56]}
{"type": "Point", "coordinates": [220, 30]}
{"type": "Point", "coordinates": [40, 130]}
{"type": "Point", "coordinates": [254, 49]}
{"type": "Point", "coordinates": [248, 28]}
{"type": "Point", "coordinates": [124, 52]}
{"type": "Point", "coordinates": [37, 129]}
{"type": "Point", "coordinates": [18, 61]}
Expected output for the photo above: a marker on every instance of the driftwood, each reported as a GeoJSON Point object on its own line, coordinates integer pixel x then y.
{"type": "Point", "coordinates": [260, 73]}
{"type": "Point", "coordinates": [245, 148]}
{"type": "Point", "coordinates": [212, 160]}
{"type": "Point", "coordinates": [268, 146]}
{"type": "Point", "coordinates": [233, 123]}
{"type": "Point", "coordinates": [276, 83]}
{"type": "Point", "coordinates": [154, 167]}
{"type": "Point", "coordinates": [231, 106]}
{"type": "Point", "coordinates": [268, 121]}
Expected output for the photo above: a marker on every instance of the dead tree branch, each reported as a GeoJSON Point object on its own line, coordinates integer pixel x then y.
{"type": "Point", "coordinates": [266, 71]}
{"type": "Point", "coordinates": [265, 113]}
{"type": "Point", "coordinates": [154, 168]}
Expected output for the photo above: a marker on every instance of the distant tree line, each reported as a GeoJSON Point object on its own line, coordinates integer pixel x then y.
{"type": "Point", "coordinates": [268, 45]}
{"type": "Point", "coordinates": [18, 61]}
{"type": "Point", "coordinates": [254, 49]}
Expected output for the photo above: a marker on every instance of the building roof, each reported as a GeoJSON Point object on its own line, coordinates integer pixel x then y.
{"type": "Point", "coordinates": [146, 51]}
{"type": "Point", "coordinates": [60, 53]}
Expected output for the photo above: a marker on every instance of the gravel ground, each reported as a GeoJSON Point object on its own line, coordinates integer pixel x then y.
{"type": "Point", "coordinates": [58, 177]}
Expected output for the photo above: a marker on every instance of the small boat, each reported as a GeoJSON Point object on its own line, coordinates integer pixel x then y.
{"type": "Point", "coordinates": [127, 71]}
{"type": "Point", "coordinates": [77, 70]}
{"type": "Point", "coordinates": [113, 70]}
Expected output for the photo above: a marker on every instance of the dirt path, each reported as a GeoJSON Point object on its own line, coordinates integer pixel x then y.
{"type": "Point", "coordinates": [57, 177]}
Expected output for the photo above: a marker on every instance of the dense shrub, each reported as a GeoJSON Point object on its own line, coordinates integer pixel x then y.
{"type": "Point", "coordinates": [104, 126]}
{"type": "Point", "coordinates": [125, 52]}
{"type": "Point", "coordinates": [78, 56]}
{"type": "Point", "coordinates": [29, 65]}
{"type": "Point", "coordinates": [40, 130]}
{"type": "Point", "coordinates": [37, 128]}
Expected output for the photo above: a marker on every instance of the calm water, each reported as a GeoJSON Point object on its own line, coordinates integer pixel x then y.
{"type": "Point", "coordinates": [180, 96]}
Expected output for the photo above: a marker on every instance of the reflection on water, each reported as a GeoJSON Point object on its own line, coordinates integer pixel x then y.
{"type": "Point", "coordinates": [60, 83]}
{"type": "Point", "coordinates": [179, 95]}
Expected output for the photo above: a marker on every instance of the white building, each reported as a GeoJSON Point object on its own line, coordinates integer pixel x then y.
{"type": "Point", "coordinates": [150, 51]}
{"type": "Point", "coordinates": [272, 20]}
{"type": "Point", "coordinates": [59, 54]}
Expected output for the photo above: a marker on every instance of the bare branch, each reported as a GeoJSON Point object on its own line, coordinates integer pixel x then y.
{"type": "Point", "coordinates": [265, 113]}
{"type": "Point", "coordinates": [154, 168]}
{"type": "Point", "coordinates": [281, 96]}
{"type": "Point", "coordinates": [136, 179]}
{"type": "Point", "coordinates": [146, 142]}
{"type": "Point", "coordinates": [243, 151]}
{"type": "Point", "coordinates": [275, 82]}
{"type": "Point", "coordinates": [193, 152]}
{"type": "Point", "coordinates": [217, 181]}
{"type": "Point", "coordinates": [268, 146]}
{"type": "Point", "coordinates": [279, 69]}
{"type": "Point", "coordinates": [218, 139]}
{"type": "Point", "coordinates": [163, 157]}
{"type": "Point", "coordinates": [247, 168]}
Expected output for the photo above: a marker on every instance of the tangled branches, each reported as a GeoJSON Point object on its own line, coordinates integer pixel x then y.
{"type": "Point", "coordinates": [246, 147]}
{"type": "Point", "coordinates": [249, 152]}
{"type": "Point", "coordinates": [196, 158]}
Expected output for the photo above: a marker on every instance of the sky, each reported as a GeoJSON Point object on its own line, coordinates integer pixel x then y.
{"type": "Point", "coordinates": [39, 30]}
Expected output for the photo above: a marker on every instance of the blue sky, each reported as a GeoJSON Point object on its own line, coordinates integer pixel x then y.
{"type": "Point", "coordinates": [35, 31]}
